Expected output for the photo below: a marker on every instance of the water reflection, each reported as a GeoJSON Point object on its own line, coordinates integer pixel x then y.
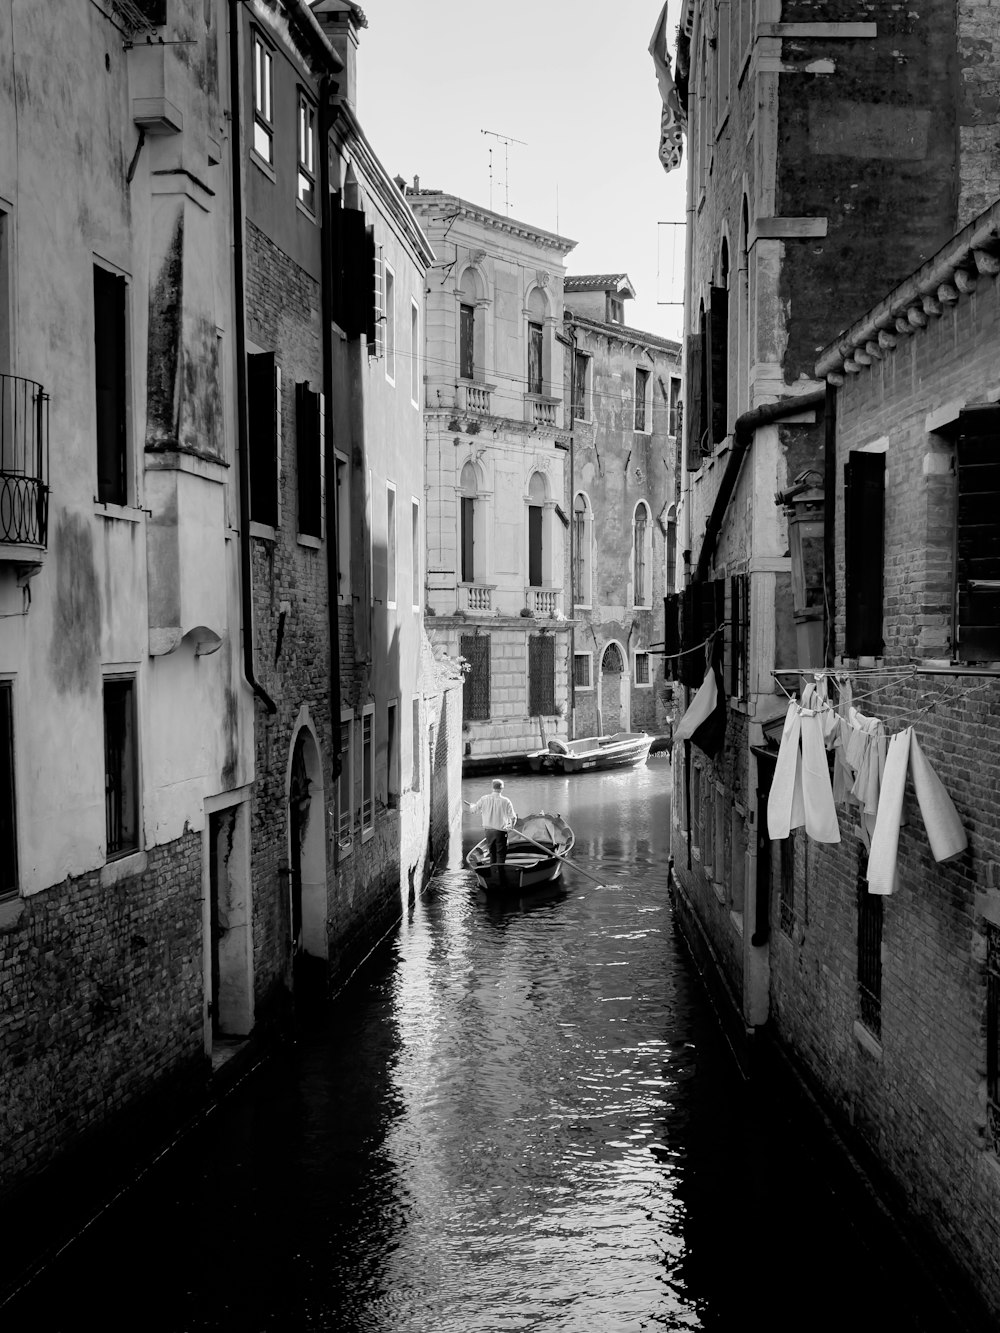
{"type": "Point", "coordinates": [518, 1116]}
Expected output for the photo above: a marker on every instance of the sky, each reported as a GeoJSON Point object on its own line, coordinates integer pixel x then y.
{"type": "Point", "coordinates": [574, 81]}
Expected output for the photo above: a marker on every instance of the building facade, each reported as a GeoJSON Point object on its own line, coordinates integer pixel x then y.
{"type": "Point", "coordinates": [903, 1031]}
{"type": "Point", "coordinates": [623, 387]}
{"type": "Point", "coordinates": [811, 138]}
{"type": "Point", "coordinates": [126, 724]}
{"type": "Point", "coordinates": [496, 458]}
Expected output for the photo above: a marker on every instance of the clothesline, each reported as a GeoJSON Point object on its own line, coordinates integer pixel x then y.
{"type": "Point", "coordinates": [685, 651]}
{"type": "Point", "coordinates": [948, 693]}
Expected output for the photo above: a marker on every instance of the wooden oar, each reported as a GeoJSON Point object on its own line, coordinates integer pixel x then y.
{"type": "Point", "coordinates": [562, 856]}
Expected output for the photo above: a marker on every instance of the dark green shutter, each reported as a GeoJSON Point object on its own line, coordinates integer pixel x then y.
{"type": "Point", "coordinates": [864, 521]}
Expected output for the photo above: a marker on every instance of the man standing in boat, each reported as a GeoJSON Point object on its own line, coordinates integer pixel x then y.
{"type": "Point", "coordinates": [498, 815]}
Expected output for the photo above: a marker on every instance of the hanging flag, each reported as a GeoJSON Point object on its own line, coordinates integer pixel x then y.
{"type": "Point", "coordinates": [672, 117]}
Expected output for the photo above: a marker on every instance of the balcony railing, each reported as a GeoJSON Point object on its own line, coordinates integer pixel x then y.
{"type": "Point", "coordinates": [479, 598]}
{"type": "Point", "coordinates": [24, 462]}
{"type": "Point", "coordinates": [540, 411]}
{"type": "Point", "coordinates": [543, 601]}
{"type": "Point", "coordinates": [474, 397]}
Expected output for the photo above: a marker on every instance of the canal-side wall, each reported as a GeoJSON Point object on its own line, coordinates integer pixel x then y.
{"type": "Point", "coordinates": [109, 985]}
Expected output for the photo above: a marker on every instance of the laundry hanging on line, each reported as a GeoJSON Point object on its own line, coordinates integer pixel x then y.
{"type": "Point", "coordinates": [704, 720]}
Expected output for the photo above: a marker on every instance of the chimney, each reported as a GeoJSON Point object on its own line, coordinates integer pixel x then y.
{"type": "Point", "coordinates": [416, 185]}
{"type": "Point", "coordinates": [342, 21]}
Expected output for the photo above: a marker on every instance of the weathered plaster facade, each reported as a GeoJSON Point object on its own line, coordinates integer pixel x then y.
{"type": "Point", "coordinates": [120, 659]}
{"type": "Point", "coordinates": [622, 491]}
{"type": "Point", "coordinates": [496, 451]}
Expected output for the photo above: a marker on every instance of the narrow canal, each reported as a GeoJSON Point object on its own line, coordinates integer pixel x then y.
{"type": "Point", "coordinates": [515, 1117]}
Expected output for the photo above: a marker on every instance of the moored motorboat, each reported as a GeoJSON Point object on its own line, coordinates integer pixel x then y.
{"type": "Point", "coordinates": [535, 848]}
{"type": "Point", "coordinates": [624, 749]}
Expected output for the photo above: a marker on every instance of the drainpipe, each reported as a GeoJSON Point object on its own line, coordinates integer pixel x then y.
{"type": "Point", "coordinates": [239, 300]}
{"type": "Point", "coordinates": [743, 433]}
{"type": "Point", "coordinates": [327, 89]}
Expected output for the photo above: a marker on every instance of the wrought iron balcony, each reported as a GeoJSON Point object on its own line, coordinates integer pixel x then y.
{"type": "Point", "coordinates": [24, 463]}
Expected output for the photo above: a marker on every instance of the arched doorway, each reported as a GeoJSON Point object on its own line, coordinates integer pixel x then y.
{"type": "Point", "coordinates": [307, 861]}
{"type": "Point", "coordinates": [613, 691]}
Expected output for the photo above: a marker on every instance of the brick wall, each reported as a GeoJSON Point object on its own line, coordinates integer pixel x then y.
{"type": "Point", "coordinates": [102, 1005]}
{"type": "Point", "coordinates": [917, 1095]}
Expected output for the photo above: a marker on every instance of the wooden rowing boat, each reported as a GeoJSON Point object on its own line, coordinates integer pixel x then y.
{"type": "Point", "coordinates": [535, 848]}
{"type": "Point", "coordinates": [625, 749]}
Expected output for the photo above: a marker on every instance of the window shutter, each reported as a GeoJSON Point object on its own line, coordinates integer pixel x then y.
{"type": "Point", "coordinates": [541, 675]}
{"type": "Point", "coordinates": [308, 428]}
{"type": "Point", "coordinates": [977, 582]}
{"type": "Point", "coordinates": [376, 306]}
{"type": "Point", "coordinates": [718, 362]}
{"type": "Point", "coordinates": [671, 635]}
{"type": "Point", "coordinates": [864, 506]}
{"type": "Point", "coordinates": [693, 388]}
{"type": "Point", "coordinates": [264, 409]}
{"type": "Point", "coordinates": [354, 272]}
{"type": "Point", "coordinates": [692, 670]}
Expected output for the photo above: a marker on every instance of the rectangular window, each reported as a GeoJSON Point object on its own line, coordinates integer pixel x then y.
{"type": "Point", "coordinates": [414, 354]}
{"type": "Point", "coordinates": [466, 341]}
{"type": "Point", "coordinates": [581, 671]}
{"type": "Point", "coordinates": [475, 649]}
{"type": "Point", "coordinates": [343, 528]}
{"type": "Point", "coordinates": [8, 809]}
{"type": "Point", "coordinates": [368, 772]}
{"type": "Point", "coordinates": [993, 1032]}
{"type": "Point", "coordinates": [121, 769]}
{"type": "Point", "coordinates": [715, 366]}
{"type": "Point", "coordinates": [535, 526]}
{"type": "Point", "coordinates": [580, 366]}
{"type": "Point", "coordinates": [345, 782]}
{"type": "Point", "coordinates": [467, 538]}
{"type": "Point", "coordinates": [390, 325]}
{"type": "Point", "coordinates": [390, 545]}
{"type": "Point", "coordinates": [309, 436]}
{"type": "Point", "coordinates": [739, 634]}
{"type": "Point", "coordinates": [541, 675]}
{"type": "Point", "coordinates": [417, 734]}
{"type": "Point", "coordinates": [870, 916]}
{"type": "Point", "coordinates": [263, 100]}
{"type": "Point", "coordinates": [977, 546]}
{"type": "Point", "coordinates": [376, 315]}
{"type": "Point", "coordinates": [642, 669]}
{"type": "Point", "coordinates": [864, 510]}
{"type": "Point", "coordinates": [415, 552]}
{"type": "Point", "coordinates": [264, 436]}
{"type": "Point", "coordinates": [641, 394]}
{"type": "Point", "coordinates": [111, 386]}
{"type": "Point", "coordinates": [535, 358]}
{"type": "Point", "coordinates": [392, 755]}
{"type": "Point", "coordinates": [307, 153]}
{"type": "Point", "coordinates": [674, 419]}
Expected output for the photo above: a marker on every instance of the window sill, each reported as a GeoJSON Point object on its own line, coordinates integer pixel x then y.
{"type": "Point", "coordinates": [737, 919]}
{"type": "Point", "coordinates": [367, 833]}
{"type": "Point", "coordinates": [344, 849]}
{"type": "Point", "coordinates": [10, 912]}
{"type": "Point", "coordinates": [719, 890]}
{"type": "Point", "coordinates": [261, 165]}
{"type": "Point", "coordinates": [122, 867]}
{"type": "Point", "coordinates": [313, 543]}
{"type": "Point", "coordinates": [307, 212]}
{"type": "Point", "coordinates": [642, 685]}
{"type": "Point", "coordinates": [868, 1042]}
{"type": "Point", "coordinates": [583, 689]}
{"type": "Point", "coordinates": [264, 531]}
{"type": "Point", "coordinates": [124, 513]}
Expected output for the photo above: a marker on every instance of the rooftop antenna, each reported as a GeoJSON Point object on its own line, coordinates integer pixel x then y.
{"type": "Point", "coordinates": [506, 140]}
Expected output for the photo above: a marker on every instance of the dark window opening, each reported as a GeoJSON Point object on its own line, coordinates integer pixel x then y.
{"type": "Point", "coordinates": [581, 670]}
{"type": "Point", "coordinates": [739, 634]}
{"type": "Point", "coordinates": [467, 341]}
{"type": "Point", "coordinates": [580, 386]}
{"type": "Point", "coordinates": [786, 906]}
{"type": "Point", "coordinates": [111, 386]}
{"type": "Point", "coordinates": [121, 776]}
{"type": "Point", "coordinates": [263, 401]}
{"type": "Point", "coordinates": [864, 491]}
{"type": "Point", "coordinates": [639, 571]}
{"type": "Point", "coordinates": [468, 523]}
{"type": "Point", "coordinates": [674, 417]}
{"type": "Point", "coordinates": [475, 649]}
{"type": "Point", "coordinates": [541, 675]}
{"type": "Point", "coordinates": [309, 438]}
{"type": "Point", "coordinates": [8, 809]}
{"type": "Point", "coordinates": [977, 571]}
{"type": "Point", "coordinates": [641, 393]}
{"type": "Point", "coordinates": [535, 358]}
{"type": "Point", "coordinates": [535, 546]}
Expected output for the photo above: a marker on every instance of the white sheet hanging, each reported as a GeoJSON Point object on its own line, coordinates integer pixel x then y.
{"type": "Point", "coordinates": [800, 790]}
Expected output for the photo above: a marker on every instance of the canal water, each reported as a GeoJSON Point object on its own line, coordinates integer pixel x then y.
{"type": "Point", "coordinates": [516, 1116]}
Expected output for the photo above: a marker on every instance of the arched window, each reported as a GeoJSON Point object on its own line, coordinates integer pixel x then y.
{"type": "Point", "coordinates": [537, 310]}
{"type": "Point", "coordinates": [470, 327]}
{"type": "Point", "coordinates": [583, 525]}
{"type": "Point", "coordinates": [537, 495]}
{"type": "Point", "coordinates": [642, 543]}
{"type": "Point", "coordinates": [468, 500]}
